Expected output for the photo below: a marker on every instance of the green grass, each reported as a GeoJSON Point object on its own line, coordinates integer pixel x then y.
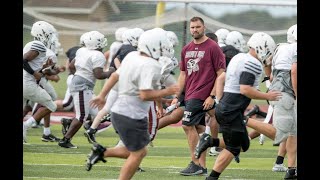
{"type": "Point", "coordinates": [169, 155]}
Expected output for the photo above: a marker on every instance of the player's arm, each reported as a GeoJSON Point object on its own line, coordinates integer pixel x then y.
{"type": "Point", "coordinates": [247, 80]}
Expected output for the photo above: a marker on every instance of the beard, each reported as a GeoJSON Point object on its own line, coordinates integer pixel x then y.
{"type": "Point", "coordinates": [198, 36]}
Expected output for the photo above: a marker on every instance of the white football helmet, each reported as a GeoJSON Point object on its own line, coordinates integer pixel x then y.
{"type": "Point", "coordinates": [95, 40]}
{"type": "Point", "coordinates": [42, 31]}
{"type": "Point", "coordinates": [222, 35]}
{"type": "Point", "coordinates": [234, 39]}
{"type": "Point", "coordinates": [263, 44]}
{"type": "Point", "coordinates": [155, 44]}
{"type": "Point", "coordinates": [292, 34]}
{"type": "Point", "coordinates": [82, 38]}
{"type": "Point", "coordinates": [172, 38]}
{"type": "Point", "coordinates": [119, 32]}
{"type": "Point", "coordinates": [131, 36]}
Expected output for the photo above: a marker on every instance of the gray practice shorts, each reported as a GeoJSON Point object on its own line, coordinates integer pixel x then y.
{"type": "Point", "coordinates": [284, 118]}
{"type": "Point", "coordinates": [133, 132]}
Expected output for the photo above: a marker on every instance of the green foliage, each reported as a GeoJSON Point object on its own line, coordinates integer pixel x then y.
{"type": "Point", "coordinates": [46, 160]}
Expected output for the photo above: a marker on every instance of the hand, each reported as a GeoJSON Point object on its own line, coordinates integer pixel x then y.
{"type": "Point", "coordinates": [208, 103]}
{"type": "Point", "coordinates": [97, 102]}
{"type": "Point", "coordinates": [274, 95]}
{"type": "Point", "coordinates": [37, 75]}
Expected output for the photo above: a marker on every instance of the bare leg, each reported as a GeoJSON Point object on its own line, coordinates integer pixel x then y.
{"type": "Point", "coordinates": [223, 160]}
{"type": "Point", "coordinates": [292, 150]}
{"type": "Point", "coordinates": [193, 138]}
{"type": "Point", "coordinates": [172, 118]}
{"type": "Point", "coordinates": [263, 128]}
{"type": "Point", "coordinates": [132, 163]}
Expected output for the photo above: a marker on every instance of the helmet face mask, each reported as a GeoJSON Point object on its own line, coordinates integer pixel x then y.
{"type": "Point", "coordinates": [43, 32]}
{"type": "Point", "coordinates": [263, 44]}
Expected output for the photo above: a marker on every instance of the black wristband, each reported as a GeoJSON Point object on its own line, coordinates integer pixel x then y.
{"type": "Point", "coordinates": [27, 67]}
{"type": "Point", "coordinates": [212, 96]}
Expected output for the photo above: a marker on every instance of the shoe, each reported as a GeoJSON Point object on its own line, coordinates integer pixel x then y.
{"type": "Point", "coordinates": [204, 171]}
{"type": "Point", "coordinates": [106, 118]}
{"type": "Point", "coordinates": [214, 151]}
{"type": "Point", "coordinates": [192, 169]}
{"type": "Point", "coordinates": [279, 168]}
{"type": "Point", "coordinates": [237, 159]}
{"type": "Point", "coordinates": [90, 134]}
{"type": "Point", "coordinates": [49, 138]}
{"type": "Point", "coordinates": [65, 125]}
{"type": "Point", "coordinates": [95, 156]}
{"type": "Point", "coordinates": [261, 139]}
{"type": "Point", "coordinates": [24, 133]}
{"type": "Point", "coordinates": [255, 109]}
{"type": "Point", "coordinates": [291, 174]}
{"type": "Point", "coordinates": [140, 169]}
{"type": "Point", "coordinates": [66, 143]}
{"type": "Point", "coordinates": [203, 144]}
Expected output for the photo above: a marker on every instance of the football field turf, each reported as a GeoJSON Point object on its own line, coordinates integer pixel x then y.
{"type": "Point", "coordinates": [48, 161]}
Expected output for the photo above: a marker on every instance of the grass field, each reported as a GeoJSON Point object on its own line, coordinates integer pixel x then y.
{"type": "Point", "coordinates": [47, 160]}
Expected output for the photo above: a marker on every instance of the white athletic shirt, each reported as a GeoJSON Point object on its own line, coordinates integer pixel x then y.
{"type": "Point", "coordinates": [284, 56]}
{"type": "Point", "coordinates": [86, 60]}
{"type": "Point", "coordinates": [37, 63]}
{"type": "Point", "coordinates": [136, 73]}
{"type": "Point", "coordinates": [114, 47]}
{"type": "Point", "coordinates": [241, 63]}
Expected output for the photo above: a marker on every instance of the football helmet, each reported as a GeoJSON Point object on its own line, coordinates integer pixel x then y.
{"type": "Point", "coordinates": [95, 40]}
{"type": "Point", "coordinates": [166, 65]}
{"type": "Point", "coordinates": [42, 31]}
{"type": "Point", "coordinates": [263, 44]}
{"type": "Point", "coordinates": [131, 36]}
{"type": "Point", "coordinates": [222, 35]}
{"type": "Point", "coordinates": [234, 39]}
{"type": "Point", "coordinates": [292, 34]}
{"type": "Point", "coordinates": [172, 38]}
{"type": "Point", "coordinates": [119, 32]}
{"type": "Point", "coordinates": [155, 44]}
{"type": "Point", "coordinates": [82, 38]}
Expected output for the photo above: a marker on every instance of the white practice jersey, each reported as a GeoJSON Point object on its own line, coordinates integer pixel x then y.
{"type": "Point", "coordinates": [37, 63]}
{"type": "Point", "coordinates": [284, 56]}
{"type": "Point", "coordinates": [136, 73]}
{"type": "Point", "coordinates": [51, 55]}
{"type": "Point", "coordinates": [114, 47]}
{"type": "Point", "coordinates": [86, 60]}
{"type": "Point", "coordinates": [241, 63]}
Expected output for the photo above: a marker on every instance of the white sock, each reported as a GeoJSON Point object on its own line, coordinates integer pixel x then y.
{"type": "Point", "coordinates": [46, 131]}
{"type": "Point", "coordinates": [207, 131]}
{"type": "Point", "coordinates": [28, 123]}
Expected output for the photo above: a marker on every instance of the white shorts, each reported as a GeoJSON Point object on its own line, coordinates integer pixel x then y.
{"type": "Point", "coordinates": [33, 92]}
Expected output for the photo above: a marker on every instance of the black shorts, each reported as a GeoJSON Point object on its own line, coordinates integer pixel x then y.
{"type": "Point", "coordinates": [194, 113]}
{"type": "Point", "coordinates": [133, 132]}
{"type": "Point", "coordinates": [230, 117]}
